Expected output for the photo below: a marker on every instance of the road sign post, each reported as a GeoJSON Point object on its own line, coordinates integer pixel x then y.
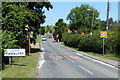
{"type": "Point", "coordinates": [103, 45]}
{"type": "Point", "coordinates": [103, 34]}
{"type": "Point", "coordinates": [29, 35]}
{"type": "Point", "coordinates": [29, 46]}
{"type": "Point", "coordinates": [10, 60]}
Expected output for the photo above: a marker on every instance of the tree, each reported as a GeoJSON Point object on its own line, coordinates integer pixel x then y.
{"type": "Point", "coordinates": [42, 30]}
{"type": "Point", "coordinates": [60, 23]}
{"type": "Point", "coordinates": [80, 17]}
{"type": "Point", "coordinates": [49, 29]}
{"type": "Point", "coordinates": [16, 15]}
{"type": "Point", "coordinates": [60, 28]}
{"type": "Point", "coordinates": [7, 42]}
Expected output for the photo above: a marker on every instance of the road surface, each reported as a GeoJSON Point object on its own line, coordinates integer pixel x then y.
{"type": "Point", "coordinates": [57, 61]}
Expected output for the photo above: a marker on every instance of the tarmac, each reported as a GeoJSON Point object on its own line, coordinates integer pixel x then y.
{"type": "Point", "coordinates": [107, 61]}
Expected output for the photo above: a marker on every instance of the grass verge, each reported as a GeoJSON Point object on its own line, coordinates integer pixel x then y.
{"type": "Point", "coordinates": [22, 67]}
{"type": "Point", "coordinates": [106, 56]}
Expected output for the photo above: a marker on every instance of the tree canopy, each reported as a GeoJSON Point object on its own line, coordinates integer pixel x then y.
{"type": "Point", "coordinates": [60, 27]}
{"type": "Point", "coordinates": [81, 17]}
{"type": "Point", "coordinates": [16, 15]}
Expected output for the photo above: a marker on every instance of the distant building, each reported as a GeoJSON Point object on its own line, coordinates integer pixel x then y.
{"type": "Point", "coordinates": [69, 31]}
{"type": "Point", "coordinates": [75, 31]}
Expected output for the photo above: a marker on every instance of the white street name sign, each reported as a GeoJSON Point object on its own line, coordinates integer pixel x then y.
{"type": "Point", "coordinates": [14, 52]}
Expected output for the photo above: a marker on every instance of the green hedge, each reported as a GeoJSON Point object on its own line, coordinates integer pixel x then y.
{"type": "Point", "coordinates": [92, 43]}
{"type": "Point", "coordinates": [71, 40]}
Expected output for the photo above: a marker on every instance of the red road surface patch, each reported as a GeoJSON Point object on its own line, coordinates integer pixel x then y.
{"type": "Point", "coordinates": [73, 57]}
{"type": "Point", "coordinates": [55, 57]}
{"type": "Point", "coordinates": [60, 57]}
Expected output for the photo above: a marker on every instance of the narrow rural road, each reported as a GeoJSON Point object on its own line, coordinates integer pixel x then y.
{"type": "Point", "coordinates": [59, 62]}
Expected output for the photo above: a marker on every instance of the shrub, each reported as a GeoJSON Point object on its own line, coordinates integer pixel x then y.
{"type": "Point", "coordinates": [8, 41]}
{"type": "Point", "coordinates": [71, 40]}
{"type": "Point", "coordinates": [93, 43]}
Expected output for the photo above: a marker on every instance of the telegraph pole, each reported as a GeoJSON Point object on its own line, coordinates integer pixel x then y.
{"type": "Point", "coordinates": [108, 9]}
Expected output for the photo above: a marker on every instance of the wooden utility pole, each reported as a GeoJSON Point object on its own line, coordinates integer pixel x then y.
{"type": "Point", "coordinates": [108, 9]}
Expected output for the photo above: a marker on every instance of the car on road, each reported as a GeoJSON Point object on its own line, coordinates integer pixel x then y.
{"type": "Point", "coordinates": [43, 38]}
{"type": "Point", "coordinates": [49, 36]}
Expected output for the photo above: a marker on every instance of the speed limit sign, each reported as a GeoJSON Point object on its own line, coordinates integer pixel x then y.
{"type": "Point", "coordinates": [103, 34]}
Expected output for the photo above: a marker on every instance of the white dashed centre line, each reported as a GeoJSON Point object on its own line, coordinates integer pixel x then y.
{"type": "Point", "coordinates": [69, 59]}
{"type": "Point", "coordinates": [85, 69]}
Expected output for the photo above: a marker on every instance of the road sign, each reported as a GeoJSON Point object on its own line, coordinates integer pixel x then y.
{"type": "Point", "coordinates": [103, 34]}
{"type": "Point", "coordinates": [14, 52]}
{"type": "Point", "coordinates": [29, 34]}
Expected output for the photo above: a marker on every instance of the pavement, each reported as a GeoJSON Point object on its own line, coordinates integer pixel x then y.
{"type": "Point", "coordinates": [108, 61]}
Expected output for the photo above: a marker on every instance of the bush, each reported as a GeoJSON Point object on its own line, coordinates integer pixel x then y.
{"type": "Point", "coordinates": [71, 40]}
{"type": "Point", "coordinates": [7, 42]}
{"type": "Point", "coordinates": [93, 43]}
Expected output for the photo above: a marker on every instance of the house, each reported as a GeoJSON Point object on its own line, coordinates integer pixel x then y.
{"type": "Point", "coordinates": [69, 31]}
{"type": "Point", "coordinates": [75, 31]}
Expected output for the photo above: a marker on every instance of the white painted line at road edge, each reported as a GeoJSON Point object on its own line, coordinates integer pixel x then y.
{"type": "Point", "coordinates": [69, 59]}
{"type": "Point", "coordinates": [79, 54]}
{"type": "Point", "coordinates": [85, 69]}
{"type": "Point", "coordinates": [41, 63]}
{"type": "Point", "coordinates": [84, 56]}
{"type": "Point", "coordinates": [105, 64]}
{"type": "Point", "coordinates": [42, 55]}
{"type": "Point", "coordinates": [42, 49]}
{"type": "Point", "coordinates": [97, 61]}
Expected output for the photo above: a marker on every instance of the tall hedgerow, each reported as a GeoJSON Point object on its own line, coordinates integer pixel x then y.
{"type": "Point", "coordinates": [93, 43]}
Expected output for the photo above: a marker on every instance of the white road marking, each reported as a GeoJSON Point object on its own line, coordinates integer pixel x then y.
{"type": "Point", "coordinates": [85, 69]}
{"type": "Point", "coordinates": [97, 61]}
{"type": "Point", "coordinates": [84, 56]}
{"type": "Point", "coordinates": [42, 49]}
{"type": "Point", "coordinates": [88, 57]}
{"type": "Point", "coordinates": [41, 63]}
{"type": "Point", "coordinates": [79, 54]}
{"type": "Point", "coordinates": [105, 64]}
{"type": "Point", "coordinates": [69, 59]}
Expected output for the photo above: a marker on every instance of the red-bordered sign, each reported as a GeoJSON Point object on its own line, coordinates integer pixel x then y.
{"type": "Point", "coordinates": [103, 34]}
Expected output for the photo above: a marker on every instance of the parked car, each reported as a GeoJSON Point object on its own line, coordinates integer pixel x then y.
{"type": "Point", "coordinates": [43, 38]}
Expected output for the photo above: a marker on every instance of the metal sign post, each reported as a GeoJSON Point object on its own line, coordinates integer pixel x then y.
{"type": "Point", "coordinates": [20, 61]}
{"type": "Point", "coordinates": [29, 35]}
{"type": "Point", "coordinates": [103, 34]}
{"type": "Point", "coordinates": [103, 45]}
{"type": "Point", "coordinates": [10, 60]}
{"type": "Point", "coordinates": [29, 46]}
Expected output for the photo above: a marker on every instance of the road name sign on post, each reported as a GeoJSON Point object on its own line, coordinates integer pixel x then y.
{"type": "Point", "coordinates": [14, 53]}
{"type": "Point", "coordinates": [103, 34]}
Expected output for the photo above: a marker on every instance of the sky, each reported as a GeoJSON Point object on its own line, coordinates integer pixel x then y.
{"type": "Point", "coordinates": [62, 9]}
